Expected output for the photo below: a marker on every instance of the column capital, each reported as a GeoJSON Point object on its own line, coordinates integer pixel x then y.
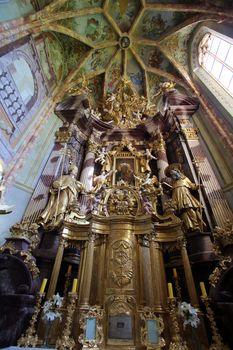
{"type": "Point", "coordinates": [152, 238]}
{"type": "Point", "coordinates": [92, 237]}
{"type": "Point", "coordinates": [181, 242]}
{"type": "Point", "coordinates": [92, 146]}
{"type": "Point", "coordinates": [63, 242]}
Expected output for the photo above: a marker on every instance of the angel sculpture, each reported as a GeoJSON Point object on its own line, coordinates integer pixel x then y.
{"type": "Point", "coordinates": [144, 159]}
{"type": "Point", "coordinates": [100, 180]}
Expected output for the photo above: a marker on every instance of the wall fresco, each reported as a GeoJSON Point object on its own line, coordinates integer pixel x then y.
{"type": "Point", "coordinates": [152, 56]}
{"type": "Point", "coordinates": [96, 86]}
{"type": "Point", "coordinates": [72, 50]}
{"type": "Point", "coordinates": [177, 45]}
{"type": "Point", "coordinates": [22, 91]}
{"type": "Point", "coordinates": [124, 13]}
{"type": "Point", "coordinates": [112, 78]}
{"type": "Point", "coordinates": [135, 73]}
{"type": "Point", "coordinates": [77, 4]}
{"type": "Point", "coordinates": [153, 82]}
{"type": "Point", "coordinates": [94, 28]}
{"type": "Point", "coordinates": [98, 60]}
{"type": "Point", "coordinates": [154, 23]}
{"type": "Point", "coordinates": [45, 63]}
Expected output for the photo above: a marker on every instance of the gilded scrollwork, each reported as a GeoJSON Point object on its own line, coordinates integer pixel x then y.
{"type": "Point", "coordinates": [8, 247]}
{"type": "Point", "coordinates": [122, 201]}
{"type": "Point", "coordinates": [30, 338]}
{"type": "Point", "coordinates": [66, 342]}
{"type": "Point", "coordinates": [30, 262]}
{"type": "Point", "coordinates": [97, 314]}
{"type": "Point", "coordinates": [223, 236]}
{"type": "Point", "coordinates": [93, 146]}
{"type": "Point", "coordinates": [120, 304]}
{"type": "Point", "coordinates": [190, 133]}
{"type": "Point", "coordinates": [121, 266]}
{"type": "Point", "coordinates": [223, 265]}
{"type": "Point", "coordinates": [149, 315]}
{"type": "Point", "coordinates": [63, 135]}
{"type": "Point", "coordinates": [26, 230]}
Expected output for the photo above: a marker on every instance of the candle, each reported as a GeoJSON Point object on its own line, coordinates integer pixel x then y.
{"type": "Point", "coordinates": [203, 290]}
{"type": "Point", "coordinates": [170, 290]}
{"type": "Point", "coordinates": [43, 285]}
{"type": "Point", "coordinates": [74, 286]}
{"type": "Point", "coordinates": [174, 273]}
{"type": "Point", "coordinates": [69, 269]}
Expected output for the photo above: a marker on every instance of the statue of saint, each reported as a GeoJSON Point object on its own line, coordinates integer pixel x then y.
{"type": "Point", "coordinates": [187, 206]}
{"type": "Point", "coordinates": [63, 192]}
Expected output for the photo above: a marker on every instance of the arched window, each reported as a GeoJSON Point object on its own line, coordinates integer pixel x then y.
{"type": "Point", "coordinates": [216, 57]}
{"type": "Point", "coordinates": [211, 66]}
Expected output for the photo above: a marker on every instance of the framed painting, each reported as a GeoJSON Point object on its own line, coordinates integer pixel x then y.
{"type": "Point", "coordinates": [125, 168]}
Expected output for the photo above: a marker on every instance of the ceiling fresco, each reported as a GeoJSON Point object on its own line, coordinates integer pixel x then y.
{"type": "Point", "coordinates": [144, 41]}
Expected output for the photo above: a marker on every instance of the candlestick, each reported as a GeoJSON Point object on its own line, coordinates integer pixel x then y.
{"type": "Point", "coordinates": [69, 269]}
{"type": "Point", "coordinates": [74, 286]}
{"type": "Point", "coordinates": [174, 273]}
{"type": "Point", "coordinates": [43, 285]}
{"type": "Point", "coordinates": [67, 284]}
{"type": "Point", "coordinates": [30, 338]}
{"type": "Point", "coordinates": [217, 343]}
{"type": "Point", "coordinates": [177, 288]}
{"type": "Point", "coordinates": [177, 342]}
{"type": "Point", "coordinates": [66, 342]}
{"type": "Point", "coordinates": [170, 290]}
{"type": "Point", "coordinates": [203, 290]}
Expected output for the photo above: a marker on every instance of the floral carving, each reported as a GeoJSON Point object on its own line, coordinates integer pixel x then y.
{"type": "Point", "coordinates": [121, 270]}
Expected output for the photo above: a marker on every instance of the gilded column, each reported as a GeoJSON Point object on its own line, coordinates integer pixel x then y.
{"type": "Point", "coordinates": [155, 273]}
{"type": "Point", "coordinates": [188, 274]}
{"type": "Point", "coordinates": [102, 261]}
{"type": "Point", "coordinates": [81, 266]}
{"type": "Point", "coordinates": [163, 278]}
{"type": "Point", "coordinates": [56, 268]}
{"type": "Point", "coordinates": [87, 272]}
{"type": "Point", "coordinates": [141, 294]}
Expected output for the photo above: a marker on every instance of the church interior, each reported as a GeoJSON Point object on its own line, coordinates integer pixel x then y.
{"type": "Point", "coordinates": [116, 174]}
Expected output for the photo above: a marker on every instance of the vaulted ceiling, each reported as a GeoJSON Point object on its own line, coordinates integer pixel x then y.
{"type": "Point", "coordinates": [144, 40]}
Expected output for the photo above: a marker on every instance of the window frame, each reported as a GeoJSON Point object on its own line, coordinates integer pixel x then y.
{"type": "Point", "coordinates": [205, 51]}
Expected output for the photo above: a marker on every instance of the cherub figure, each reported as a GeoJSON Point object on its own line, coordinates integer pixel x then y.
{"type": "Point", "coordinates": [144, 159]}
{"type": "Point", "coordinates": [100, 180]}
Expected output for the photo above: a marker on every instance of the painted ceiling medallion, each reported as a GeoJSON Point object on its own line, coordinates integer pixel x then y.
{"type": "Point", "coordinates": [124, 42]}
